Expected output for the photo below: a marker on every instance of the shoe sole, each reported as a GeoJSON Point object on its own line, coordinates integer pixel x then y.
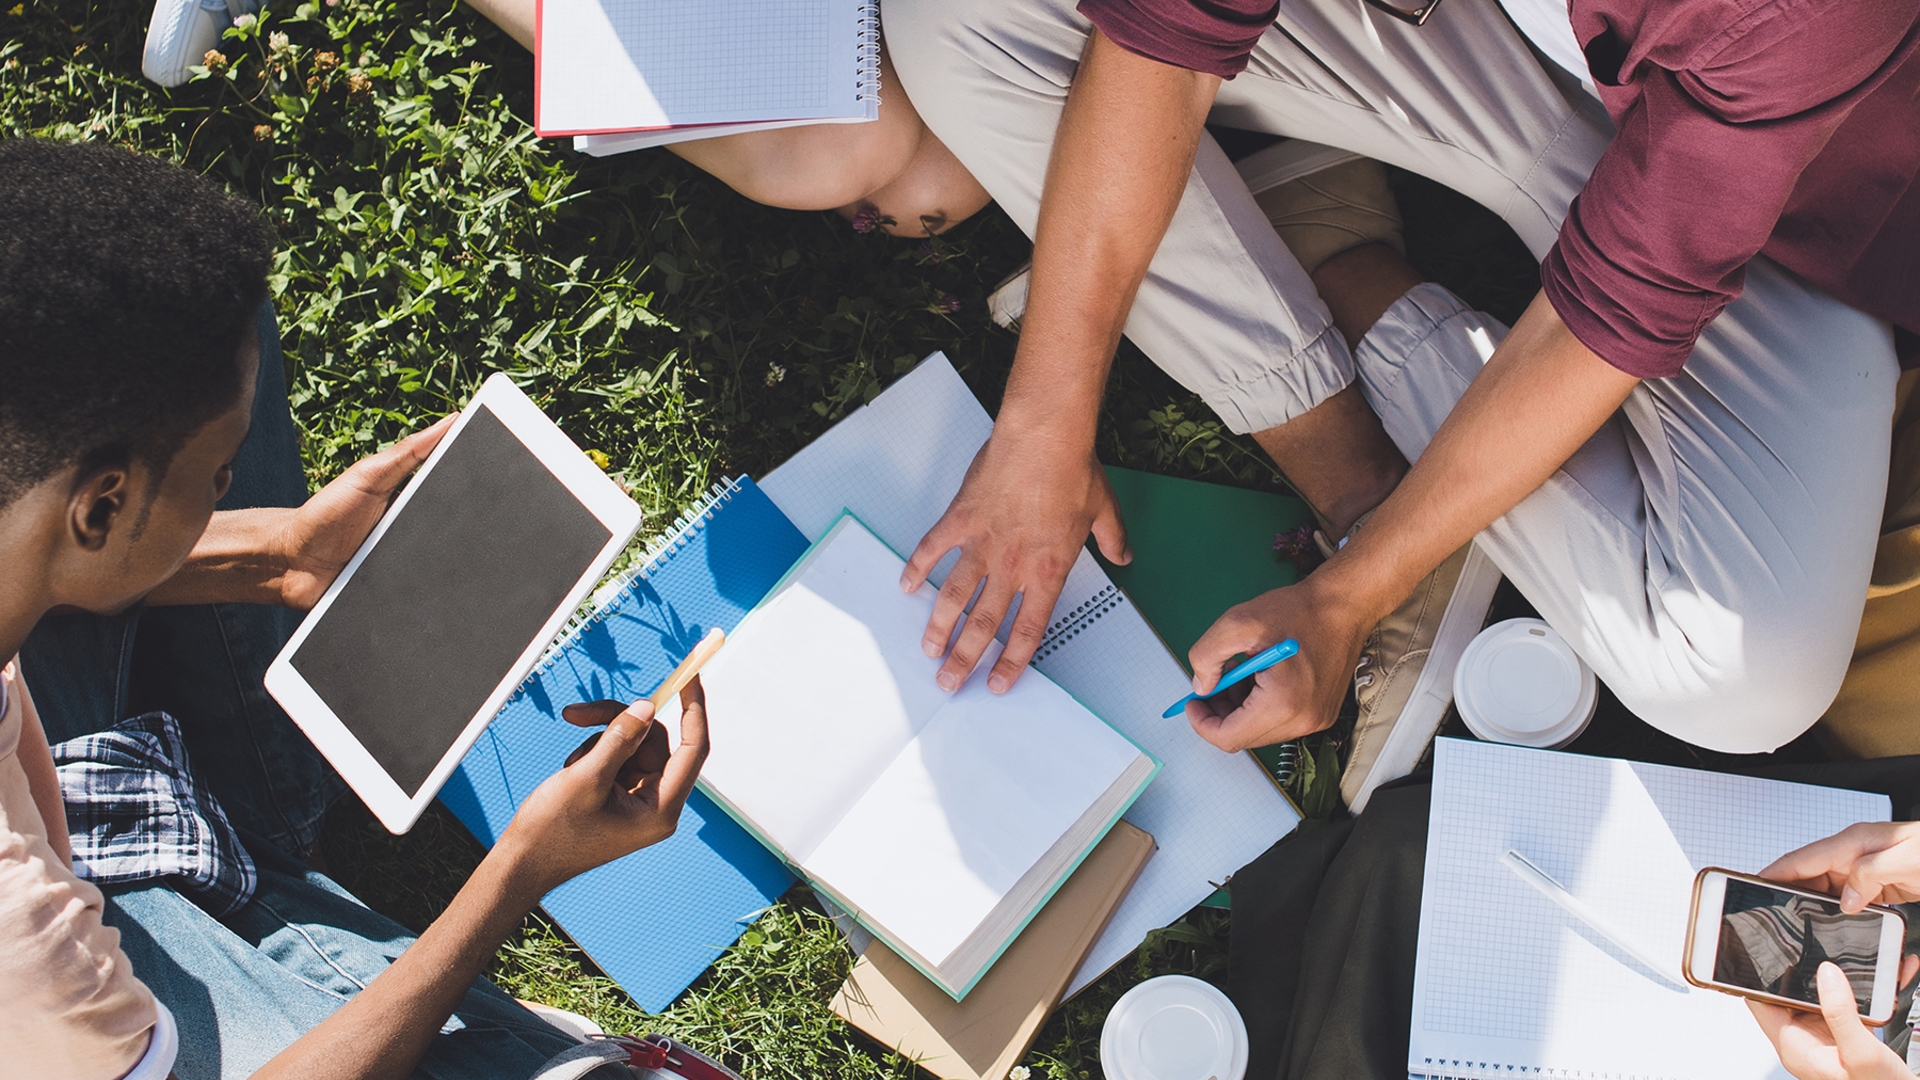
{"type": "Point", "coordinates": [1419, 720]}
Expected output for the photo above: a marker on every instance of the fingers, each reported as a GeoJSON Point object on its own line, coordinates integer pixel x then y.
{"type": "Point", "coordinates": [955, 594]}
{"type": "Point", "coordinates": [1856, 1044]}
{"type": "Point", "coordinates": [1871, 875]}
{"type": "Point", "coordinates": [1909, 967]}
{"type": "Point", "coordinates": [592, 713]}
{"type": "Point", "coordinates": [616, 745]}
{"type": "Point", "coordinates": [982, 624]}
{"type": "Point", "coordinates": [1109, 531]}
{"type": "Point", "coordinates": [1029, 629]}
{"type": "Point", "coordinates": [683, 768]}
{"type": "Point", "coordinates": [1832, 858]}
{"type": "Point", "coordinates": [1229, 636]}
{"type": "Point", "coordinates": [933, 547]}
{"type": "Point", "coordinates": [390, 468]}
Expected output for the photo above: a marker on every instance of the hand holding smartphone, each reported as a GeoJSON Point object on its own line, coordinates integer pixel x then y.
{"type": "Point", "coordinates": [1766, 941]}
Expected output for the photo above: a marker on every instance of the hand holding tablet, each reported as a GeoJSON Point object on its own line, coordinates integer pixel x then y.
{"type": "Point", "coordinates": [447, 605]}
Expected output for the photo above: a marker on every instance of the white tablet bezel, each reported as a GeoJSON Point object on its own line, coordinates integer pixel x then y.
{"type": "Point", "coordinates": [392, 804]}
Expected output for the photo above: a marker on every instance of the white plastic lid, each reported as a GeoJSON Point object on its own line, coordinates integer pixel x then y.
{"type": "Point", "coordinates": [1519, 682]}
{"type": "Point", "coordinates": [1174, 1027]}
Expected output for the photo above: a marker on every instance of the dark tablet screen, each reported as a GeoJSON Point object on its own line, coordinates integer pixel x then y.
{"type": "Point", "coordinates": [463, 581]}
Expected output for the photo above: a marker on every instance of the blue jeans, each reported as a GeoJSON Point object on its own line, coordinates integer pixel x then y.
{"type": "Point", "coordinates": [245, 987]}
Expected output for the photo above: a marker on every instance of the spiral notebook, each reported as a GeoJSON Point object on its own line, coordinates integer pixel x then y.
{"type": "Point", "coordinates": [897, 462]}
{"type": "Point", "coordinates": [1508, 984]}
{"type": "Point", "coordinates": [667, 70]}
{"type": "Point", "coordinates": [655, 920]}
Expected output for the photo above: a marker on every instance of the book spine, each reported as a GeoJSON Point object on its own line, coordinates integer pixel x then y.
{"type": "Point", "coordinates": [657, 554]}
{"type": "Point", "coordinates": [867, 57]}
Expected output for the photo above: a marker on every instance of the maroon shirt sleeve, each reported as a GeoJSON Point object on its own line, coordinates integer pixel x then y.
{"type": "Point", "coordinates": [1213, 37]}
{"type": "Point", "coordinates": [1707, 154]}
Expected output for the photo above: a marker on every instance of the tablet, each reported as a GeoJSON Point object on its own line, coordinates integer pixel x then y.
{"type": "Point", "coordinates": [448, 604]}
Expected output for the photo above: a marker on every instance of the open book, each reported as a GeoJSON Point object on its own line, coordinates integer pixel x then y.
{"type": "Point", "coordinates": [661, 71]}
{"type": "Point", "coordinates": [942, 822]}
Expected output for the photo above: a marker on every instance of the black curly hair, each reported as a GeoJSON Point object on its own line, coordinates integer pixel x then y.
{"type": "Point", "coordinates": [126, 283]}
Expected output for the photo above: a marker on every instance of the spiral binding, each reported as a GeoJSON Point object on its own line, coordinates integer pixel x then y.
{"type": "Point", "coordinates": [1068, 626]}
{"type": "Point", "coordinates": [656, 554]}
{"type": "Point", "coordinates": [867, 55]}
{"type": "Point", "coordinates": [1459, 1069]}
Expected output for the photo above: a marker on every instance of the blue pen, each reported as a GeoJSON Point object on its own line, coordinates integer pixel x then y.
{"type": "Point", "coordinates": [1255, 664]}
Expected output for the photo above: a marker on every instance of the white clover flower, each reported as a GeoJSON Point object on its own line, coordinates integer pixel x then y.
{"type": "Point", "coordinates": [277, 41]}
{"type": "Point", "coordinates": [245, 21]}
{"type": "Point", "coordinates": [1020, 1072]}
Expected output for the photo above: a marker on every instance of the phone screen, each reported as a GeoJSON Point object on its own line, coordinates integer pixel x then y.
{"type": "Point", "coordinates": [1774, 941]}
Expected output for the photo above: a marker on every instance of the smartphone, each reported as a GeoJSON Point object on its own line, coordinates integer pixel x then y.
{"type": "Point", "coordinates": [1763, 940]}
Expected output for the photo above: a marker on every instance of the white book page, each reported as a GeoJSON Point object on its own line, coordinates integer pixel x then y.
{"type": "Point", "coordinates": [818, 690]}
{"type": "Point", "coordinates": [968, 808]}
{"type": "Point", "coordinates": [1507, 978]}
{"type": "Point", "coordinates": [897, 462]}
{"type": "Point", "coordinates": [611, 65]}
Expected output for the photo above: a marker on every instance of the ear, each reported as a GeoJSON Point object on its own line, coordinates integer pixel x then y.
{"type": "Point", "coordinates": [100, 500]}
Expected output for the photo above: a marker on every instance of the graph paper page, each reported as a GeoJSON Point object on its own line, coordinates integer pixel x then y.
{"type": "Point", "coordinates": [618, 65]}
{"type": "Point", "coordinates": [896, 463]}
{"type": "Point", "coordinates": [1506, 981]}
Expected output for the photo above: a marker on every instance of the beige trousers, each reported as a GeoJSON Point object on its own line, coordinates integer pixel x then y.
{"type": "Point", "coordinates": [1707, 552]}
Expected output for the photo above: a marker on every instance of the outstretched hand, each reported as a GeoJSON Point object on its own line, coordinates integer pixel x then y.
{"type": "Point", "coordinates": [319, 538]}
{"type": "Point", "coordinates": [1832, 1044]}
{"type": "Point", "coordinates": [1019, 520]}
{"type": "Point", "coordinates": [1287, 700]}
{"type": "Point", "coordinates": [620, 791]}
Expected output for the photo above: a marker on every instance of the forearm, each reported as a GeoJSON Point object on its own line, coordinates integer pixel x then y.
{"type": "Point", "coordinates": [385, 1030]}
{"type": "Point", "coordinates": [1121, 158]}
{"type": "Point", "coordinates": [240, 559]}
{"type": "Point", "coordinates": [1537, 400]}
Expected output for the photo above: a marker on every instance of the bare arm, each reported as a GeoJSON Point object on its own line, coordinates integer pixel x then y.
{"type": "Point", "coordinates": [623, 793]}
{"type": "Point", "coordinates": [1540, 397]}
{"type": "Point", "coordinates": [1120, 162]}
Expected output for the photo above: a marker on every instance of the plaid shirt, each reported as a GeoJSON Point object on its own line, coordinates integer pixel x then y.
{"type": "Point", "coordinates": [136, 813]}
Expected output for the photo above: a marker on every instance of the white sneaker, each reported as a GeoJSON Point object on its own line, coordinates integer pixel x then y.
{"type": "Point", "coordinates": [179, 36]}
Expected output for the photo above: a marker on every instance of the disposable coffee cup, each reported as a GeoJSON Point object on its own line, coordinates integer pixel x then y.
{"type": "Point", "coordinates": [1520, 683]}
{"type": "Point", "coordinates": [1174, 1028]}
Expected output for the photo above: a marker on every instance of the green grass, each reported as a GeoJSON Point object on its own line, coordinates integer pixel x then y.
{"type": "Point", "coordinates": [427, 239]}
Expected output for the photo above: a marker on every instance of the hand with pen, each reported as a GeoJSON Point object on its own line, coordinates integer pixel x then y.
{"type": "Point", "coordinates": [1869, 863]}
{"type": "Point", "coordinates": [1286, 700]}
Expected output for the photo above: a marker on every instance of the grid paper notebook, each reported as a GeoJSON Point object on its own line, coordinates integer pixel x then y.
{"type": "Point", "coordinates": [658, 918]}
{"type": "Point", "coordinates": [897, 463]}
{"type": "Point", "coordinates": [603, 66]}
{"type": "Point", "coordinates": [1508, 984]}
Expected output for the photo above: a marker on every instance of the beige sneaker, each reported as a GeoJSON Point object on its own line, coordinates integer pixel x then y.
{"type": "Point", "coordinates": [1323, 201]}
{"type": "Point", "coordinates": [1404, 680]}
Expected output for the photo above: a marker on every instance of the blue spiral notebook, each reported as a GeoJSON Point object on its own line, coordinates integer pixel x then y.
{"type": "Point", "coordinates": [657, 919]}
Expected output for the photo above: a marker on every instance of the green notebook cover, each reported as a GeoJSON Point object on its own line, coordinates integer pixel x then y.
{"type": "Point", "coordinates": [1199, 549]}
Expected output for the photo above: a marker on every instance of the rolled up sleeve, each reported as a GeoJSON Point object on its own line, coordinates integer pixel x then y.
{"type": "Point", "coordinates": [1706, 157]}
{"type": "Point", "coordinates": [1213, 37]}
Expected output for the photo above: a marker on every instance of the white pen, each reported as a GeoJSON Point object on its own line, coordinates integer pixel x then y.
{"type": "Point", "coordinates": [1524, 869]}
